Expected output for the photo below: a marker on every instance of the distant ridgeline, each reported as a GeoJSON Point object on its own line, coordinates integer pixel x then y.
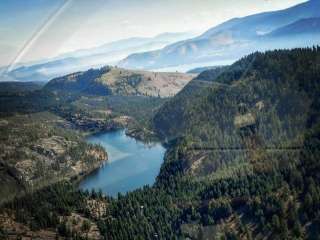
{"type": "Point", "coordinates": [119, 81]}
{"type": "Point", "coordinates": [242, 161]}
{"type": "Point", "coordinates": [297, 26]}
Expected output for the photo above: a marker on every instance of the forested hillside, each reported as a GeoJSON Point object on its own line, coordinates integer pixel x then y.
{"type": "Point", "coordinates": [271, 92]}
{"type": "Point", "coordinates": [13, 87]}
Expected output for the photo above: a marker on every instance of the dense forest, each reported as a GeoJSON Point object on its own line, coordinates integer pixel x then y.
{"type": "Point", "coordinates": [242, 162]}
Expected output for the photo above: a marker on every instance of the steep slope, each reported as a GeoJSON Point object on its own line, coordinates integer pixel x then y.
{"type": "Point", "coordinates": [118, 81]}
{"type": "Point", "coordinates": [266, 86]}
{"type": "Point", "coordinates": [227, 41]}
{"type": "Point", "coordinates": [246, 145]}
{"type": "Point", "coordinates": [175, 109]}
{"type": "Point", "coordinates": [262, 101]}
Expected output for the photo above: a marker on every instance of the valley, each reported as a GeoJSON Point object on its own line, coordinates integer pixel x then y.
{"type": "Point", "coordinates": [43, 130]}
{"type": "Point", "coordinates": [242, 150]}
{"type": "Point", "coordinates": [168, 135]}
{"type": "Point", "coordinates": [43, 145]}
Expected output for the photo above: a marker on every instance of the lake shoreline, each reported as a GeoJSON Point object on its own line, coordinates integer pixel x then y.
{"type": "Point", "coordinates": [132, 163]}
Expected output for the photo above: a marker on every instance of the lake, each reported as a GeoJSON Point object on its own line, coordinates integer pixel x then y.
{"type": "Point", "coordinates": [131, 164]}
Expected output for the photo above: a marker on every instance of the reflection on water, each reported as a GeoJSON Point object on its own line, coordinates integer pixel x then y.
{"type": "Point", "coordinates": [131, 165]}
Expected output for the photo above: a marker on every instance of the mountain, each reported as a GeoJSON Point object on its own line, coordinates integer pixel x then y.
{"type": "Point", "coordinates": [119, 81]}
{"type": "Point", "coordinates": [227, 41]}
{"type": "Point", "coordinates": [262, 23]}
{"type": "Point", "coordinates": [84, 59]}
{"type": "Point", "coordinates": [130, 44]}
{"type": "Point", "coordinates": [271, 85]}
{"type": "Point", "coordinates": [305, 26]}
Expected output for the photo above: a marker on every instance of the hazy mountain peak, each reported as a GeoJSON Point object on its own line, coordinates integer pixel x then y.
{"type": "Point", "coordinates": [83, 59]}
{"type": "Point", "coordinates": [228, 41]}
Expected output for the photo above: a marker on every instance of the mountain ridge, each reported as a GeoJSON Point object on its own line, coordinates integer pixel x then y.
{"type": "Point", "coordinates": [95, 57]}
{"type": "Point", "coordinates": [118, 81]}
{"type": "Point", "coordinates": [230, 40]}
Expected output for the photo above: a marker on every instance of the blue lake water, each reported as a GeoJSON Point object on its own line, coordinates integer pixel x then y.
{"type": "Point", "coordinates": [131, 164]}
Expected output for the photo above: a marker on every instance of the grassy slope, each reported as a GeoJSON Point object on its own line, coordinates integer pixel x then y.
{"type": "Point", "coordinates": [118, 81]}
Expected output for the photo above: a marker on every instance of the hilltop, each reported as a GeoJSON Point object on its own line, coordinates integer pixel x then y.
{"type": "Point", "coordinates": [119, 81]}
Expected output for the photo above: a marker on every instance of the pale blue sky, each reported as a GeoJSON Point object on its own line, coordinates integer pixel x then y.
{"type": "Point", "coordinates": [35, 29]}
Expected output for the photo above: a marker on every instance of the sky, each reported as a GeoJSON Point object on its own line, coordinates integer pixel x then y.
{"type": "Point", "coordinates": [31, 30]}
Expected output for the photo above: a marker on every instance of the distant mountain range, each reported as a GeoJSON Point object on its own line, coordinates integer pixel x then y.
{"type": "Point", "coordinates": [237, 37]}
{"type": "Point", "coordinates": [298, 26]}
{"type": "Point", "coordinates": [85, 59]}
